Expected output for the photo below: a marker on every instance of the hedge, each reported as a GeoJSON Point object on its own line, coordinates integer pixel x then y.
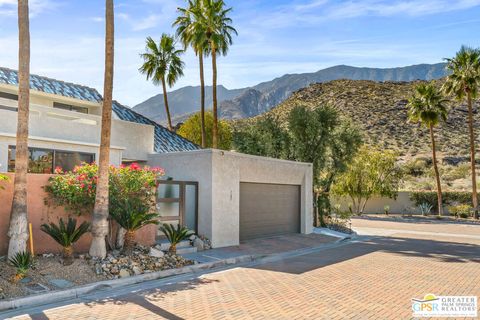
{"type": "Point", "coordinates": [448, 198]}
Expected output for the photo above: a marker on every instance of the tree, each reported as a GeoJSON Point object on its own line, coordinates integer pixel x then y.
{"type": "Point", "coordinates": [371, 173]}
{"type": "Point", "coordinates": [427, 106]}
{"type": "Point", "coordinates": [192, 33]}
{"type": "Point", "coordinates": [218, 29]}
{"type": "Point", "coordinates": [17, 231]}
{"type": "Point", "coordinates": [192, 130]}
{"type": "Point", "coordinates": [463, 83]}
{"type": "Point", "coordinates": [99, 231]}
{"type": "Point", "coordinates": [321, 137]}
{"type": "Point", "coordinates": [264, 137]}
{"type": "Point", "coordinates": [162, 64]}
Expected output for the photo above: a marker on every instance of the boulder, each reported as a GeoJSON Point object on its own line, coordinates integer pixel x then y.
{"type": "Point", "coordinates": [156, 253]}
{"type": "Point", "coordinates": [124, 273]}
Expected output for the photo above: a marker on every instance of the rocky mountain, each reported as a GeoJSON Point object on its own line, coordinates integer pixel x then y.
{"type": "Point", "coordinates": [379, 110]}
{"type": "Point", "coordinates": [247, 102]}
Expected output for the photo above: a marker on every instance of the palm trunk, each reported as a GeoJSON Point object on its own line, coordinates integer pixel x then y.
{"type": "Point", "coordinates": [129, 242]}
{"type": "Point", "coordinates": [173, 249]}
{"type": "Point", "coordinates": [100, 212]}
{"type": "Point", "coordinates": [67, 255]}
{"type": "Point", "coordinates": [17, 231]}
{"type": "Point", "coordinates": [215, 111]}
{"type": "Point", "coordinates": [202, 100]}
{"type": "Point", "coordinates": [165, 101]}
{"type": "Point", "coordinates": [437, 174]}
{"type": "Point", "coordinates": [472, 156]}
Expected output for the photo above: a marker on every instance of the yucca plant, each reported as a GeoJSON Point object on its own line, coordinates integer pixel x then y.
{"type": "Point", "coordinates": [131, 216]}
{"type": "Point", "coordinates": [22, 261]}
{"type": "Point", "coordinates": [175, 235]}
{"type": "Point", "coordinates": [66, 235]}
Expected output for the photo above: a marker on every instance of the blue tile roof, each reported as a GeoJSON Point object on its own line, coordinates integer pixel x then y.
{"type": "Point", "coordinates": [165, 140]}
{"type": "Point", "coordinates": [47, 85]}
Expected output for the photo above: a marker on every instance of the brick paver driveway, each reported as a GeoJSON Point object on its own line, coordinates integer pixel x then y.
{"type": "Point", "coordinates": [373, 278]}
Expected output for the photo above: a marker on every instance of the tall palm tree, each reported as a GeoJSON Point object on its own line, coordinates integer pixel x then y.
{"type": "Point", "coordinates": [98, 248]}
{"type": "Point", "coordinates": [427, 106]}
{"type": "Point", "coordinates": [162, 64]}
{"type": "Point", "coordinates": [218, 29]}
{"type": "Point", "coordinates": [17, 231]}
{"type": "Point", "coordinates": [463, 83]}
{"type": "Point", "coordinates": [192, 33]}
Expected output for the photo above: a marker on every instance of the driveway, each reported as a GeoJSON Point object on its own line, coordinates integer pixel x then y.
{"type": "Point", "coordinates": [374, 277]}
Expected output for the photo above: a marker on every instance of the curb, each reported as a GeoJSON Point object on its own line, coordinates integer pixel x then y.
{"type": "Point", "coordinates": [78, 292]}
{"type": "Point", "coordinates": [336, 234]}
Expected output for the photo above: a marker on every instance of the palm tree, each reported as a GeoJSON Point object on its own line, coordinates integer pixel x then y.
{"type": "Point", "coordinates": [17, 231]}
{"type": "Point", "coordinates": [427, 106]}
{"type": "Point", "coordinates": [463, 82]}
{"type": "Point", "coordinates": [163, 65]}
{"type": "Point", "coordinates": [218, 29]}
{"type": "Point", "coordinates": [99, 231]}
{"type": "Point", "coordinates": [191, 32]}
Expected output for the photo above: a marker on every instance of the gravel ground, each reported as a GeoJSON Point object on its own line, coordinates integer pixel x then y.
{"type": "Point", "coordinates": [45, 269]}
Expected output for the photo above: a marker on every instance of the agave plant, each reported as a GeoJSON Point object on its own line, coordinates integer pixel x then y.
{"type": "Point", "coordinates": [175, 235]}
{"type": "Point", "coordinates": [131, 216]}
{"type": "Point", "coordinates": [425, 208]}
{"type": "Point", "coordinates": [66, 235]}
{"type": "Point", "coordinates": [22, 261]}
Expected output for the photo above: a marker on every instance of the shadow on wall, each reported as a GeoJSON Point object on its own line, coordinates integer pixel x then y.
{"type": "Point", "coordinates": [449, 252]}
{"type": "Point", "coordinates": [40, 213]}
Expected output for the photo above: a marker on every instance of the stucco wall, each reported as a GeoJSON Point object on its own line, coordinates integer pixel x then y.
{"type": "Point", "coordinates": [401, 205]}
{"type": "Point", "coordinates": [39, 213]}
{"type": "Point", "coordinates": [219, 174]}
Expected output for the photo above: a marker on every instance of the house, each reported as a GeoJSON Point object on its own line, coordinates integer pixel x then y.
{"type": "Point", "coordinates": [65, 124]}
{"type": "Point", "coordinates": [227, 196]}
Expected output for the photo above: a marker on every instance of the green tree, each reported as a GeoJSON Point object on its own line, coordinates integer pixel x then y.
{"type": "Point", "coordinates": [17, 231]}
{"type": "Point", "coordinates": [192, 130]}
{"type": "Point", "coordinates": [162, 64]}
{"type": "Point", "coordinates": [217, 27]}
{"type": "Point", "coordinates": [98, 247]}
{"type": "Point", "coordinates": [427, 106]}
{"type": "Point", "coordinates": [463, 83]}
{"type": "Point", "coordinates": [264, 137]}
{"type": "Point", "coordinates": [192, 33]}
{"type": "Point", "coordinates": [371, 173]}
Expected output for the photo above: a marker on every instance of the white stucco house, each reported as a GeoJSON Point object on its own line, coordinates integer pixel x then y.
{"type": "Point", "coordinates": [235, 197]}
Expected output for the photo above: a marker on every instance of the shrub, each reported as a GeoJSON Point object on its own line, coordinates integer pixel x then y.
{"type": "Point", "coordinates": [448, 198]}
{"type": "Point", "coordinates": [22, 262]}
{"type": "Point", "coordinates": [386, 209]}
{"type": "Point", "coordinates": [66, 235]}
{"type": "Point", "coordinates": [461, 210]}
{"type": "Point", "coordinates": [132, 215]}
{"type": "Point", "coordinates": [3, 178]}
{"type": "Point", "coordinates": [175, 235]}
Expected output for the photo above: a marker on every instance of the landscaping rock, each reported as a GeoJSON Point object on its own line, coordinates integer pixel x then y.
{"type": "Point", "coordinates": [199, 244]}
{"type": "Point", "coordinates": [156, 253]}
{"type": "Point", "coordinates": [2, 294]}
{"type": "Point", "coordinates": [61, 283]}
{"type": "Point", "coordinates": [36, 288]}
{"type": "Point", "coordinates": [124, 273]}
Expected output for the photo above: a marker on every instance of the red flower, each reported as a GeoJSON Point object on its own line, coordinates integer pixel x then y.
{"type": "Point", "coordinates": [135, 166]}
{"type": "Point", "coordinates": [58, 170]}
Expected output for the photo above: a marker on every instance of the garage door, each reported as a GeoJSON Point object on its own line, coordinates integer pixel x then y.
{"type": "Point", "coordinates": [268, 210]}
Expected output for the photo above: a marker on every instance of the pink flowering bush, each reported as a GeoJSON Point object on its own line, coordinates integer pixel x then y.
{"type": "Point", "coordinates": [75, 190]}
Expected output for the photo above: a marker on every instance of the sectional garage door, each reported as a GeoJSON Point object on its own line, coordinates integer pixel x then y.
{"type": "Point", "coordinates": [268, 210]}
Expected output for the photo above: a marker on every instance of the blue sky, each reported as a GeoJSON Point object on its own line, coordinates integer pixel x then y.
{"type": "Point", "coordinates": [275, 37]}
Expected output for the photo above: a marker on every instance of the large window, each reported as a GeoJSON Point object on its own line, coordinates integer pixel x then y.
{"type": "Point", "coordinates": [69, 107]}
{"type": "Point", "coordinates": [46, 160]}
{"type": "Point", "coordinates": [9, 96]}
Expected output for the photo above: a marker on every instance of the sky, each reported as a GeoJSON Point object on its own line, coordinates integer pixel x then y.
{"type": "Point", "coordinates": [275, 37]}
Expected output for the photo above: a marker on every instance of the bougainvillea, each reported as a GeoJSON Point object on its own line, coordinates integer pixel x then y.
{"type": "Point", "coordinates": [75, 190]}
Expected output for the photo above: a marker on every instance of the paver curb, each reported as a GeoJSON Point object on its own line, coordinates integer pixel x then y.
{"type": "Point", "coordinates": [78, 292]}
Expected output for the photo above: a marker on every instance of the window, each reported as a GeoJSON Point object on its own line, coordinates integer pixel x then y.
{"type": "Point", "coordinates": [10, 96]}
{"type": "Point", "coordinates": [68, 107]}
{"type": "Point", "coordinates": [46, 160]}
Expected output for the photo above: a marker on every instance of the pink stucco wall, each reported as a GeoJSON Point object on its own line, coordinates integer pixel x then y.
{"type": "Point", "coordinates": [39, 213]}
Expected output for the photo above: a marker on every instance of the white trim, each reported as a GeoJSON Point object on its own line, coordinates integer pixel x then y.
{"type": "Point", "coordinates": [80, 143]}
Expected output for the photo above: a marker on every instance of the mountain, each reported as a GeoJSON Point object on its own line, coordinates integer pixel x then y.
{"type": "Point", "coordinates": [379, 110]}
{"type": "Point", "coordinates": [248, 102]}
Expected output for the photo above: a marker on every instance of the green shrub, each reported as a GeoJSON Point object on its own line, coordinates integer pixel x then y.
{"type": "Point", "coordinates": [3, 178]}
{"type": "Point", "coordinates": [22, 261]}
{"type": "Point", "coordinates": [175, 235]}
{"type": "Point", "coordinates": [448, 198]}
{"type": "Point", "coordinates": [66, 235]}
{"type": "Point", "coordinates": [416, 167]}
{"type": "Point", "coordinates": [461, 210]}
